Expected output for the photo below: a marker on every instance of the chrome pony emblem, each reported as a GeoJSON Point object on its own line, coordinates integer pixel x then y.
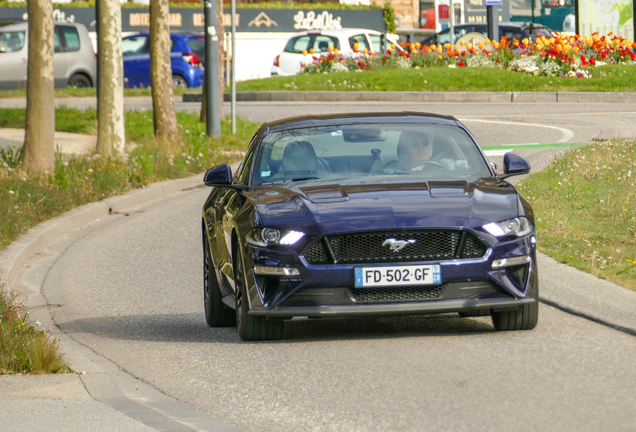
{"type": "Point", "coordinates": [397, 245]}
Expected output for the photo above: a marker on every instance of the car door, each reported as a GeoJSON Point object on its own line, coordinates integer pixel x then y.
{"type": "Point", "coordinates": [136, 53]}
{"type": "Point", "coordinates": [60, 57]}
{"type": "Point", "coordinates": [13, 59]}
{"type": "Point", "coordinates": [227, 204]}
{"type": "Point", "coordinates": [292, 56]}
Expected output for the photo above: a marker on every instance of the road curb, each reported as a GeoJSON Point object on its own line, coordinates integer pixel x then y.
{"type": "Point", "coordinates": [27, 245]}
{"type": "Point", "coordinates": [390, 96]}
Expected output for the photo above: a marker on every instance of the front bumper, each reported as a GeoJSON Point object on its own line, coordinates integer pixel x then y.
{"type": "Point", "coordinates": [328, 290]}
{"type": "Point", "coordinates": [386, 309]}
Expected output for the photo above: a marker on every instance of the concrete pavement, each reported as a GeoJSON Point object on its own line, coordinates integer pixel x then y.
{"type": "Point", "coordinates": [65, 143]}
{"type": "Point", "coordinates": [100, 396]}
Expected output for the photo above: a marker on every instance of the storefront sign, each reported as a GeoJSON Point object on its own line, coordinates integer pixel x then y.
{"type": "Point", "coordinates": [247, 20]}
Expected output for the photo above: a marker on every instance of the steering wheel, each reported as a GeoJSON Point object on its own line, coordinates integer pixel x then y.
{"type": "Point", "coordinates": [424, 162]}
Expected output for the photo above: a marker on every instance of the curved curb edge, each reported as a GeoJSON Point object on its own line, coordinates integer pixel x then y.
{"type": "Point", "coordinates": [27, 245]}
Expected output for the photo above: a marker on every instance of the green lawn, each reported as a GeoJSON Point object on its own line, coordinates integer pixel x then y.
{"type": "Point", "coordinates": [28, 199]}
{"type": "Point", "coordinates": [614, 78]}
{"type": "Point", "coordinates": [585, 209]}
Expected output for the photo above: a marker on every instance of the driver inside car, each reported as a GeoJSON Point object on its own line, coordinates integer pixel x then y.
{"type": "Point", "coordinates": [415, 152]}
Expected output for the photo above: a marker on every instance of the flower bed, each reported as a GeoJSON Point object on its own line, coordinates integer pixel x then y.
{"type": "Point", "coordinates": [558, 56]}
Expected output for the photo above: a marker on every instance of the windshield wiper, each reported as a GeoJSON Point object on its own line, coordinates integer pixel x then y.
{"type": "Point", "coordinates": [305, 178]}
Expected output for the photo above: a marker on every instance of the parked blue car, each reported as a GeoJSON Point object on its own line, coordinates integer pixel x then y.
{"type": "Point", "coordinates": [187, 55]}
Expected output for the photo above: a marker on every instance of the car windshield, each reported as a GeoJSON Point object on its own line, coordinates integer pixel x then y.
{"type": "Point", "coordinates": [320, 43]}
{"type": "Point", "coordinates": [337, 153]}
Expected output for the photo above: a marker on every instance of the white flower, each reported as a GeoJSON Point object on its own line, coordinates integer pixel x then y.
{"type": "Point", "coordinates": [452, 66]}
{"type": "Point", "coordinates": [11, 192]}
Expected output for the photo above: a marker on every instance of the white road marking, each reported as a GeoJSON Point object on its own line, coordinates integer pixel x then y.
{"type": "Point", "coordinates": [567, 133]}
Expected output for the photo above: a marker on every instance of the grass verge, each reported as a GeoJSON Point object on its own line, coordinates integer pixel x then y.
{"type": "Point", "coordinates": [66, 119]}
{"type": "Point", "coordinates": [611, 78]}
{"type": "Point", "coordinates": [26, 200]}
{"type": "Point", "coordinates": [92, 92]}
{"type": "Point", "coordinates": [585, 209]}
{"type": "Point", "coordinates": [24, 348]}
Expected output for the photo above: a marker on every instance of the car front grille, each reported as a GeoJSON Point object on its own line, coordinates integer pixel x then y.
{"type": "Point", "coordinates": [371, 247]}
{"type": "Point", "coordinates": [396, 294]}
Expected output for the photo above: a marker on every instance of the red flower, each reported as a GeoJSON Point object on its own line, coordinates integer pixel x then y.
{"type": "Point", "coordinates": [384, 58]}
{"type": "Point", "coordinates": [463, 53]}
{"type": "Point", "coordinates": [389, 51]}
{"type": "Point", "coordinates": [461, 64]}
{"type": "Point", "coordinates": [472, 50]}
{"type": "Point", "coordinates": [604, 55]}
{"type": "Point", "coordinates": [593, 62]}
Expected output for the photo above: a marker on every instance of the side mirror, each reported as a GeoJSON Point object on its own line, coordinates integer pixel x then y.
{"type": "Point", "coordinates": [514, 165]}
{"type": "Point", "coordinates": [220, 176]}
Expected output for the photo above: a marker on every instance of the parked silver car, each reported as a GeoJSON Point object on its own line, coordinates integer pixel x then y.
{"type": "Point", "coordinates": [74, 58]}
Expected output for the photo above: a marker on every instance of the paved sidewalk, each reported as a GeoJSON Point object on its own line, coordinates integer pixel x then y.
{"type": "Point", "coordinates": [66, 143]}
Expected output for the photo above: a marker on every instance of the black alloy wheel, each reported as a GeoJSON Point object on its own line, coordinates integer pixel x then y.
{"type": "Point", "coordinates": [217, 314]}
{"type": "Point", "coordinates": [250, 327]}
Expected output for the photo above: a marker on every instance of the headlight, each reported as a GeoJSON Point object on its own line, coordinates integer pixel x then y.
{"type": "Point", "coordinates": [270, 236]}
{"type": "Point", "coordinates": [516, 227]}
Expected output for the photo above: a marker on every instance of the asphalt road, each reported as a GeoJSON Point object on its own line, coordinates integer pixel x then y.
{"type": "Point", "coordinates": [129, 287]}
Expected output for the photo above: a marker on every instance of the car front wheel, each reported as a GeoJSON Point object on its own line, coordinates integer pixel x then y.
{"type": "Point", "coordinates": [217, 314]}
{"type": "Point", "coordinates": [250, 327]}
{"type": "Point", "coordinates": [524, 318]}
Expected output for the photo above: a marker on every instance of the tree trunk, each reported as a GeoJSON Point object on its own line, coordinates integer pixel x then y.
{"type": "Point", "coordinates": [111, 137]}
{"type": "Point", "coordinates": [165, 119]}
{"type": "Point", "coordinates": [221, 33]}
{"type": "Point", "coordinates": [39, 144]}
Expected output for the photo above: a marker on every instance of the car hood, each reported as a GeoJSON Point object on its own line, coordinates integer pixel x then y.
{"type": "Point", "coordinates": [333, 208]}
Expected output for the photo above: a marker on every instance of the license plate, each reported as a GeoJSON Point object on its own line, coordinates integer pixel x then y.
{"type": "Point", "coordinates": [366, 277]}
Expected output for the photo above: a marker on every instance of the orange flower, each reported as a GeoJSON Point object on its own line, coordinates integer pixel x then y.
{"type": "Point", "coordinates": [311, 51]}
{"type": "Point", "coordinates": [305, 52]}
{"type": "Point", "coordinates": [357, 46]}
{"type": "Point", "coordinates": [335, 51]}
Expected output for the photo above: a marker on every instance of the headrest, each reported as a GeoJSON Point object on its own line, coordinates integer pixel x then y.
{"type": "Point", "coordinates": [299, 156]}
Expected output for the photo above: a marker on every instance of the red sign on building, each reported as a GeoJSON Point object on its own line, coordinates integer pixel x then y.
{"type": "Point", "coordinates": [443, 12]}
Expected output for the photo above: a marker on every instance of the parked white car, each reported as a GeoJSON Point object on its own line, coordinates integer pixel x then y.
{"type": "Point", "coordinates": [73, 61]}
{"type": "Point", "coordinates": [290, 60]}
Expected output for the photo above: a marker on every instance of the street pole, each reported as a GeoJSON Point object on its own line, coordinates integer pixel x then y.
{"type": "Point", "coordinates": [491, 24]}
{"type": "Point", "coordinates": [233, 67]}
{"type": "Point", "coordinates": [452, 23]}
{"type": "Point", "coordinates": [213, 108]}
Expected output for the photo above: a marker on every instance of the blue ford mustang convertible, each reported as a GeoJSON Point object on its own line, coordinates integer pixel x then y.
{"type": "Point", "coordinates": [371, 214]}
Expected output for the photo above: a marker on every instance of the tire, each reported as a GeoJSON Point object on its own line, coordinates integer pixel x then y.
{"type": "Point", "coordinates": [524, 318]}
{"type": "Point", "coordinates": [179, 82]}
{"type": "Point", "coordinates": [250, 327]}
{"type": "Point", "coordinates": [217, 314]}
{"type": "Point", "coordinates": [79, 81]}
{"type": "Point", "coordinates": [475, 313]}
